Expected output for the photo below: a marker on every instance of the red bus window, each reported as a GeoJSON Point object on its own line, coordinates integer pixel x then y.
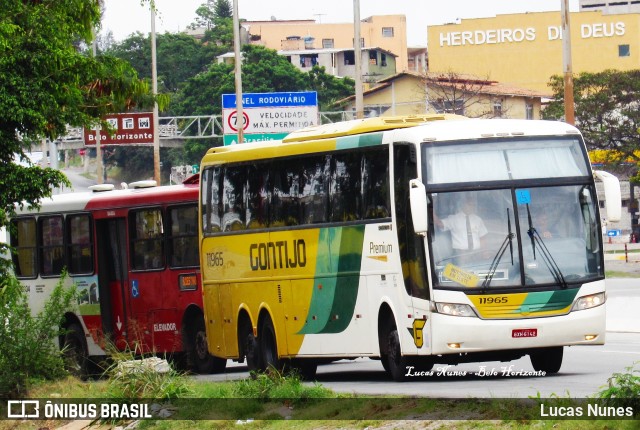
{"type": "Point", "coordinates": [23, 239]}
{"type": "Point", "coordinates": [183, 241]}
{"type": "Point", "coordinates": [80, 244]}
{"type": "Point", "coordinates": [147, 240]}
{"type": "Point", "coordinates": [52, 249]}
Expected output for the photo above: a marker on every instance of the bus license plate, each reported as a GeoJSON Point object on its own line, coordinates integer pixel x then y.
{"type": "Point", "coordinates": [524, 332]}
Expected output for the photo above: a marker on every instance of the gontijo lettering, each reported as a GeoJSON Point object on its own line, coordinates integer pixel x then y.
{"type": "Point", "coordinates": [278, 255]}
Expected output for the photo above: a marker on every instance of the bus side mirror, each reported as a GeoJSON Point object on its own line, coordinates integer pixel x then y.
{"type": "Point", "coordinates": [612, 197]}
{"type": "Point", "coordinates": [419, 207]}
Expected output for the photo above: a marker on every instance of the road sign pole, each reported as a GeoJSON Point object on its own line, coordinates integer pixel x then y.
{"type": "Point", "coordinates": [238, 72]}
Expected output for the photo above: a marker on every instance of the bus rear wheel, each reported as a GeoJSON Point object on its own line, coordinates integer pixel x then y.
{"type": "Point", "coordinates": [201, 361]}
{"type": "Point", "coordinates": [547, 360]}
{"type": "Point", "coordinates": [75, 351]}
{"type": "Point", "coordinates": [250, 347]}
{"type": "Point", "coordinates": [269, 347]}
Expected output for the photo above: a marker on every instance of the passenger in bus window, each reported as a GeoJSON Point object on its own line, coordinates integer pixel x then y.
{"type": "Point", "coordinates": [231, 219]}
{"type": "Point", "coordinates": [466, 227]}
{"type": "Point", "coordinates": [545, 227]}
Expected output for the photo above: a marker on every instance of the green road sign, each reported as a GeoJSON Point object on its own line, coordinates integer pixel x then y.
{"type": "Point", "coordinates": [232, 139]}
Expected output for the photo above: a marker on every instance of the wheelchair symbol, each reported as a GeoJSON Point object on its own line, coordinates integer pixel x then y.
{"type": "Point", "coordinates": [135, 291]}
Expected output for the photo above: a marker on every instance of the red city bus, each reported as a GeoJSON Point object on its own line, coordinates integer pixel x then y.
{"type": "Point", "coordinates": [133, 256]}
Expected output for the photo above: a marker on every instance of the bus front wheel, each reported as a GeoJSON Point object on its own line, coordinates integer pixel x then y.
{"type": "Point", "coordinates": [396, 363]}
{"type": "Point", "coordinates": [547, 360]}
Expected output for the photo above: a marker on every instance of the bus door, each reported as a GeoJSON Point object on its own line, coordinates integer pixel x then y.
{"type": "Point", "coordinates": [111, 240]}
{"type": "Point", "coordinates": [412, 256]}
{"type": "Point", "coordinates": [152, 298]}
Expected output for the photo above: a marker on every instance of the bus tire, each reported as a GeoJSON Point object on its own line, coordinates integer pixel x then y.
{"type": "Point", "coordinates": [395, 360]}
{"type": "Point", "coordinates": [305, 368]}
{"type": "Point", "coordinates": [269, 346]}
{"type": "Point", "coordinates": [75, 351]}
{"type": "Point", "coordinates": [547, 360]}
{"type": "Point", "coordinates": [201, 361]}
{"type": "Point", "coordinates": [250, 347]}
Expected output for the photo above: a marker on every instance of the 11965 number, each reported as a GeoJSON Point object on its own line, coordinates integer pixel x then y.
{"type": "Point", "coordinates": [493, 300]}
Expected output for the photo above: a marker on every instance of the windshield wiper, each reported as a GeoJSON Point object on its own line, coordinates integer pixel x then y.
{"type": "Point", "coordinates": [496, 259]}
{"type": "Point", "coordinates": [549, 261]}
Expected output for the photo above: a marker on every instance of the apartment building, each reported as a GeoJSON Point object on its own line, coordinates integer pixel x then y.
{"type": "Point", "coordinates": [386, 32]}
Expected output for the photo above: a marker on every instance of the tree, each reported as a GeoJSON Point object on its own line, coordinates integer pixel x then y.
{"type": "Point", "coordinates": [179, 57]}
{"type": "Point", "coordinates": [452, 92]}
{"type": "Point", "coordinates": [46, 83]}
{"type": "Point", "coordinates": [330, 88]}
{"type": "Point", "coordinates": [263, 70]}
{"type": "Point", "coordinates": [607, 111]}
{"type": "Point", "coordinates": [212, 10]}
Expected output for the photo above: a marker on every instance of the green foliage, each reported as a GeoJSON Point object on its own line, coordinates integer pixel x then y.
{"type": "Point", "coordinates": [263, 70]}
{"type": "Point", "coordinates": [28, 344]}
{"type": "Point", "coordinates": [277, 385]}
{"type": "Point", "coordinates": [330, 89]}
{"type": "Point", "coordinates": [179, 57]}
{"type": "Point", "coordinates": [623, 389]}
{"type": "Point", "coordinates": [223, 9]}
{"type": "Point", "coordinates": [606, 109]}
{"type": "Point", "coordinates": [47, 83]}
{"type": "Point", "coordinates": [143, 379]}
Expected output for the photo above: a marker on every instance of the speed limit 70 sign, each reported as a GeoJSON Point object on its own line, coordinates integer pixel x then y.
{"type": "Point", "coordinates": [232, 120]}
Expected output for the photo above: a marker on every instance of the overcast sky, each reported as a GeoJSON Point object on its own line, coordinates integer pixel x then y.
{"type": "Point", "coordinates": [124, 17]}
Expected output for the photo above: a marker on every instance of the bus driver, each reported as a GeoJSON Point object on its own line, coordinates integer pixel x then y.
{"type": "Point", "coordinates": [466, 227]}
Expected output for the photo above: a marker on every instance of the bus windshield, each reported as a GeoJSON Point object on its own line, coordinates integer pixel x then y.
{"type": "Point", "coordinates": [534, 223]}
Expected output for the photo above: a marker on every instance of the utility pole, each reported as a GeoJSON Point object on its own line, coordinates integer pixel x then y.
{"type": "Point", "coordinates": [357, 51]}
{"type": "Point", "coordinates": [99, 166]}
{"type": "Point", "coordinates": [569, 113]}
{"type": "Point", "coordinates": [238, 73]}
{"type": "Point", "coordinates": [154, 79]}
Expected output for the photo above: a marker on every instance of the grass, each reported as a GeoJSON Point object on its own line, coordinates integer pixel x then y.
{"type": "Point", "coordinates": [277, 402]}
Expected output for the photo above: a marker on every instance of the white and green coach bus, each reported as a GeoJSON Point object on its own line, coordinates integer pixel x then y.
{"type": "Point", "coordinates": [340, 241]}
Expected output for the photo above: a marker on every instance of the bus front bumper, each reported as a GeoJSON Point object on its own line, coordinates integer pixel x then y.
{"type": "Point", "coordinates": [450, 334]}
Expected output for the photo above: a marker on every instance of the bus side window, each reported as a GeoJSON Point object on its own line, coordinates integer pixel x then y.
{"type": "Point", "coordinates": [233, 205]}
{"type": "Point", "coordinates": [375, 184]}
{"type": "Point", "coordinates": [345, 193]}
{"type": "Point", "coordinates": [80, 244]}
{"type": "Point", "coordinates": [257, 196]}
{"type": "Point", "coordinates": [147, 239]}
{"type": "Point", "coordinates": [52, 248]}
{"type": "Point", "coordinates": [211, 200]}
{"type": "Point", "coordinates": [183, 239]}
{"type": "Point", "coordinates": [286, 190]}
{"type": "Point", "coordinates": [23, 239]}
{"type": "Point", "coordinates": [313, 189]}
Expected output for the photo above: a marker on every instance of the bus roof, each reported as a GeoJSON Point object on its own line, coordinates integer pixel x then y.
{"type": "Point", "coordinates": [74, 202]}
{"type": "Point", "coordinates": [478, 129]}
{"type": "Point", "coordinates": [361, 126]}
{"type": "Point", "coordinates": [327, 137]}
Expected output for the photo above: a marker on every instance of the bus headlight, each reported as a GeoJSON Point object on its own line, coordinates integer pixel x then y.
{"type": "Point", "coordinates": [455, 309]}
{"type": "Point", "coordinates": [588, 302]}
